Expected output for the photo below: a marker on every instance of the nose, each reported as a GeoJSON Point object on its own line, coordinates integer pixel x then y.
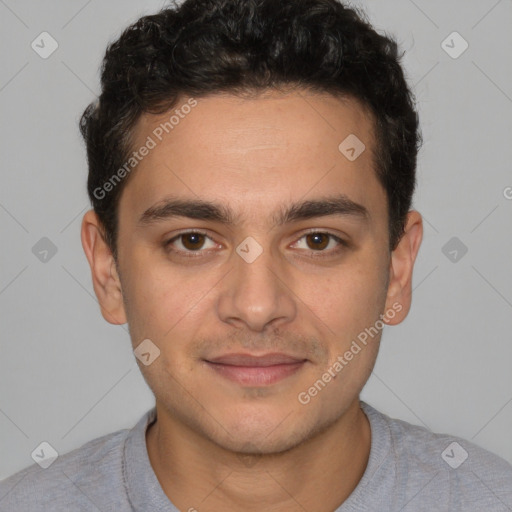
{"type": "Point", "coordinates": [255, 295]}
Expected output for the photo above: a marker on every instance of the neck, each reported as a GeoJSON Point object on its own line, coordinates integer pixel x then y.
{"type": "Point", "coordinates": [316, 475]}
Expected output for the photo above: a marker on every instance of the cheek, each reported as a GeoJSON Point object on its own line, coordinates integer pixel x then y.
{"type": "Point", "coordinates": [349, 306]}
{"type": "Point", "coordinates": [349, 298]}
{"type": "Point", "coordinates": [167, 304]}
{"type": "Point", "coordinates": [149, 299]}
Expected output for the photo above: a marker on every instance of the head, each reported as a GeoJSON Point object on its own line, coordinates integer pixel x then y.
{"type": "Point", "coordinates": [251, 172]}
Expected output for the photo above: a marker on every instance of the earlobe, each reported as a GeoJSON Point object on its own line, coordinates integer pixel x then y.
{"type": "Point", "coordinates": [105, 279]}
{"type": "Point", "coordinates": [401, 269]}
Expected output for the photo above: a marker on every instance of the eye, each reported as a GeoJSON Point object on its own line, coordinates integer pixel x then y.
{"type": "Point", "coordinates": [189, 242]}
{"type": "Point", "coordinates": [195, 243]}
{"type": "Point", "coordinates": [322, 242]}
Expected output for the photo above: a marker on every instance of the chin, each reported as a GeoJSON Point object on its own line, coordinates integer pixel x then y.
{"type": "Point", "coordinates": [258, 444]}
{"type": "Point", "coordinates": [255, 432]}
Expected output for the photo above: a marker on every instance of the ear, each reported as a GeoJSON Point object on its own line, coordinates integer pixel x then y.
{"type": "Point", "coordinates": [105, 279]}
{"type": "Point", "coordinates": [401, 267]}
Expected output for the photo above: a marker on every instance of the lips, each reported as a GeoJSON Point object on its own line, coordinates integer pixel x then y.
{"type": "Point", "coordinates": [251, 360]}
{"type": "Point", "coordinates": [251, 370]}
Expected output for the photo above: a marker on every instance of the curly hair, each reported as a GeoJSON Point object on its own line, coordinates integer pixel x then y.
{"type": "Point", "coordinates": [240, 47]}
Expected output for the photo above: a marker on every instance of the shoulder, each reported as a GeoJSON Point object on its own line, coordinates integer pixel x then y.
{"type": "Point", "coordinates": [445, 467]}
{"type": "Point", "coordinates": [444, 451]}
{"type": "Point", "coordinates": [74, 478]}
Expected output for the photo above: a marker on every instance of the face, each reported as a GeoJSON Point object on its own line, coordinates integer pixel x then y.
{"type": "Point", "coordinates": [257, 292]}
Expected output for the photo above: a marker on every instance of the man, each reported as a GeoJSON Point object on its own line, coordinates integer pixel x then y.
{"type": "Point", "coordinates": [251, 171]}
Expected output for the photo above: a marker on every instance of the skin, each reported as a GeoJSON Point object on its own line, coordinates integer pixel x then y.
{"type": "Point", "coordinates": [218, 445]}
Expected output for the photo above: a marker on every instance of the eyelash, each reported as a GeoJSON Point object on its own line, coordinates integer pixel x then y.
{"type": "Point", "coordinates": [198, 253]}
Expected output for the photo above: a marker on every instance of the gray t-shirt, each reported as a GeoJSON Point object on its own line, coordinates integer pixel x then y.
{"type": "Point", "coordinates": [409, 469]}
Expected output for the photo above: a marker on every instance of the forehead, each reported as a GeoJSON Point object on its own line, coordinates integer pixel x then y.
{"type": "Point", "coordinates": [254, 152]}
{"type": "Point", "coordinates": [238, 125]}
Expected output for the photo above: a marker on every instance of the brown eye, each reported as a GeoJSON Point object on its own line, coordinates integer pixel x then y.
{"type": "Point", "coordinates": [318, 241]}
{"type": "Point", "coordinates": [192, 241]}
{"type": "Point", "coordinates": [189, 244]}
{"type": "Point", "coordinates": [321, 244]}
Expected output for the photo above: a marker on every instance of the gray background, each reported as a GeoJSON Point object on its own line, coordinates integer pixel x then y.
{"type": "Point", "coordinates": [67, 376]}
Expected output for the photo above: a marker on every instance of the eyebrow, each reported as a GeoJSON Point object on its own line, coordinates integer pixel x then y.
{"type": "Point", "coordinates": [210, 211]}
